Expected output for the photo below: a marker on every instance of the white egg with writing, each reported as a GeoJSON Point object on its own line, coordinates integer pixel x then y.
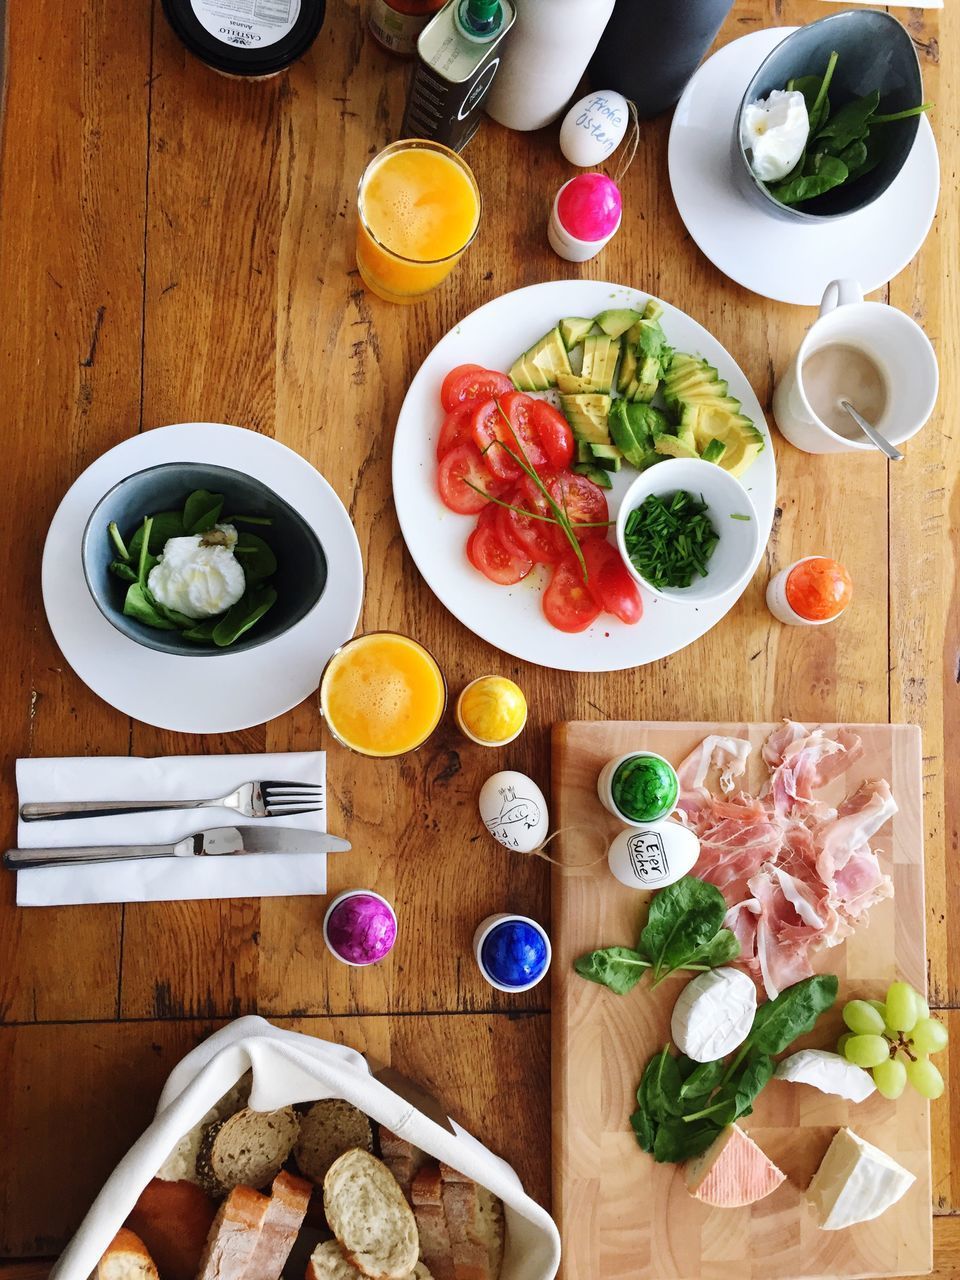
{"type": "Point", "coordinates": [593, 128]}
{"type": "Point", "coordinates": [654, 855]}
{"type": "Point", "coordinates": [514, 810]}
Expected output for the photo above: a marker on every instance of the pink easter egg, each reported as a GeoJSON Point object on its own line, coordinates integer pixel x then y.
{"type": "Point", "coordinates": [360, 928]}
{"type": "Point", "coordinates": [589, 206]}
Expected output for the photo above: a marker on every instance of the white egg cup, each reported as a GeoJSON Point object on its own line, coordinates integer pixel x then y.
{"type": "Point", "coordinates": [491, 922]}
{"type": "Point", "coordinates": [570, 247]}
{"type": "Point", "coordinates": [605, 787]}
{"type": "Point", "coordinates": [341, 897]}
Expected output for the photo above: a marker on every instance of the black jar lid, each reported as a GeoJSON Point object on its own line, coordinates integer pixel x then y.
{"type": "Point", "coordinates": [259, 43]}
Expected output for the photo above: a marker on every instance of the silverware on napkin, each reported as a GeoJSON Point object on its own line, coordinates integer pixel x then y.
{"type": "Point", "coordinates": [251, 799]}
{"type": "Point", "coordinates": [216, 842]}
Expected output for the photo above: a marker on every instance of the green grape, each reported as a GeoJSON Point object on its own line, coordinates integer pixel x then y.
{"type": "Point", "coordinates": [847, 1035]}
{"type": "Point", "coordinates": [862, 1018]}
{"type": "Point", "coordinates": [890, 1077]}
{"type": "Point", "coordinates": [929, 1036]}
{"type": "Point", "coordinates": [901, 1005]}
{"type": "Point", "coordinates": [866, 1051]}
{"type": "Point", "coordinates": [880, 1007]}
{"type": "Point", "coordinates": [925, 1078]}
{"type": "Point", "coordinates": [923, 1009]}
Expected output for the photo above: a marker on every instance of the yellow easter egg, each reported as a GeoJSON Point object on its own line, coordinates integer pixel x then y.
{"type": "Point", "coordinates": [492, 710]}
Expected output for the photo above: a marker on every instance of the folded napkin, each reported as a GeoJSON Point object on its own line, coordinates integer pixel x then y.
{"type": "Point", "coordinates": [249, 875]}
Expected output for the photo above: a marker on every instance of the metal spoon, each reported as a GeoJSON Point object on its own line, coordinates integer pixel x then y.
{"type": "Point", "coordinates": [872, 434]}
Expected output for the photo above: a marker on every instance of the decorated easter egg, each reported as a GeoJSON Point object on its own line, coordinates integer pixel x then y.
{"type": "Point", "coordinates": [653, 856]}
{"type": "Point", "coordinates": [492, 711]}
{"type": "Point", "coordinates": [360, 927]}
{"type": "Point", "coordinates": [513, 952]}
{"type": "Point", "coordinates": [514, 810]}
{"type": "Point", "coordinates": [593, 128]}
{"type": "Point", "coordinates": [589, 206]}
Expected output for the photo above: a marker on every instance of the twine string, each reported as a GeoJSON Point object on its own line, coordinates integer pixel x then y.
{"type": "Point", "coordinates": [633, 141]}
{"type": "Point", "coordinates": [567, 867]}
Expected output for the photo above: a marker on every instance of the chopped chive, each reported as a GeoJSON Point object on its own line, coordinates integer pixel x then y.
{"type": "Point", "coordinates": [670, 540]}
{"type": "Point", "coordinates": [736, 515]}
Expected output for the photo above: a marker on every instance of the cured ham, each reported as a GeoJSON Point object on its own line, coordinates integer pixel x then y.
{"type": "Point", "coordinates": [797, 873]}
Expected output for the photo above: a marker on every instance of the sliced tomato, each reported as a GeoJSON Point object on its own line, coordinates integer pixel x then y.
{"type": "Point", "coordinates": [584, 502]}
{"type": "Point", "coordinates": [541, 540]}
{"type": "Point", "coordinates": [553, 430]}
{"type": "Point", "coordinates": [493, 437]}
{"type": "Point", "coordinates": [505, 525]}
{"type": "Point", "coordinates": [456, 429]}
{"type": "Point", "coordinates": [609, 581]}
{"type": "Point", "coordinates": [460, 465]}
{"type": "Point", "coordinates": [495, 559]}
{"type": "Point", "coordinates": [567, 602]}
{"type": "Point", "coordinates": [471, 382]}
{"type": "Point", "coordinates": [520, 410]}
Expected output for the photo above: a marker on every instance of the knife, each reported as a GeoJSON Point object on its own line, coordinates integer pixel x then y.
{"type": "Point", "coordinates": [216, 843]}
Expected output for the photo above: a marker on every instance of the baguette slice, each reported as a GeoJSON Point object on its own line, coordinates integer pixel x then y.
{"type": "Point", "coordinates": [247, 1149]}
{"type": "Point", "coordinates": [234, 1236]}
{"type": "Point", "coordinates": [289, 1198]}
{"type": "Point", "coordinates": [126, 1258]}
{"type": "Point", "coordinates": [426, 1193]}
{"type": "Point", "coordinates": [173, 1220]}
{"type": "Point", "coordinates": [402, 1158]}
{"type": "Point", "coordinates": [475, 1221]}
{"type": "Point", "coordinates": [328, 1263]}
{"type": "Point", "coordinates": [369, 1216]}
{"type": "Point", "coordinates": [328, 1129]}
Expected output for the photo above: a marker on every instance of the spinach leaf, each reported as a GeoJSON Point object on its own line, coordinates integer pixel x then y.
{"type": "Point", "coordinates": [820, 110]}
{"type": "Point", "coordinates": [703, 1080]}
{"type": "Point", "coordinates": [239, 618]}
{"type": "Point", "coordinates": [755, 1075]}
{"type": "Point", "coordinates": [256, 557]}
{"type": "Point", "coordinates": [246, 520]}
{"type": "Point", "coordinates": [721, 948]}
{"type": "Point", "coordinates": [675, 1140]}
{"type": "Point", "coordinates": [684, 917]}
{"type": "Point", "coordinates": [166, 525]}
{"type": "Point", "coordinates": [117, 540]}
{"type": "Point", "coordinates": [201, 511]}
{"type": "Point", "coordinates": [849, 124]}
{"type": "Point", "coordinates": [809, 86]}
{"type": "Point", "coordinates": [644, 1129]}
{"type": "Point", "coordinates": [826, 172]}
{"type": "Point", "coordinates": [137, 604]}
{"type": "Point", "coordinates": [122, 570]}
{"type": "Point", "coordinates": [201, 632]}
{"type": "Point", "coordinates": [143, 558]}
{"type": "Point", "coordinates": [618, 968]}
{"type": "Point", "coordinates": [777, 1023]}
{"type": "Point", "coordinates": [854, 157]}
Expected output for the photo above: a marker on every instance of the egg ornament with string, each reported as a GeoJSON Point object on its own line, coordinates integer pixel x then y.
{"type": "Point", "coordinates": [586, 215]}
{"type": "Point", "coordinates": [653, 856]}
{"type": "Point", "coordinates": [514, 811]}
{"type": "Point", "coordinates": [594, 127]}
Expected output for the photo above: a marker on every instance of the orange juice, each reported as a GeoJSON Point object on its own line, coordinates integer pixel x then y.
{"type": "Point", "coordinates": [419, 207]}
{"type": "Point", "coordinates": [382, 694]}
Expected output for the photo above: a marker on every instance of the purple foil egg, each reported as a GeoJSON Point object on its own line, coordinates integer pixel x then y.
{"type": "Point", "coordinates": [360, 927]}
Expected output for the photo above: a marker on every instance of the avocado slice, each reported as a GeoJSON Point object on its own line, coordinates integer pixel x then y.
{"type": "Point", "coordinates": [596, 474]}
{"type": "Point", "coordinates": [616, 322]}
{"type": "Point", "coordinates": [742, 441]}
{"type": "Point", "coordinates": [673, 447]}
{"type": "Point", "coordinates": [653, 310]}
{"type": "Point", "coordinates": [600, 355]}
{"type": "Point", "coordinates": [606, 456]}
{"type": "Point", "coordinates": [573, 384]}
{"type": "Point", "coordinates": [628, 368]}
{"type": "Point", "coordinates": [584, 452]}
{"type": "Point", "coordinates": [624, 437]}
{"type": "Point", "coordinates": [573, 330]}
{"type": "Point", "coordinates": [714, 451]}
{"type": "Point", "coordinates": [588, 416]}
{"type": "Point", "coordinates": [527, 377]}
{"type": "Point", "coordinates": [548, 356]}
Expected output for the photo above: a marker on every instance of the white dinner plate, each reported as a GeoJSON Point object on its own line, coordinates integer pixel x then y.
{"type": "Point", "coordinates": [511, 617]}
{"type": "Point", "coordinates": [203, 694]}
{"type": "Point", "coordinates": [786, 261]}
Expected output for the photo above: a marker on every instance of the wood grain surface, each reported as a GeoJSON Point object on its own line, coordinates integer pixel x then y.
{"type": "Point", "coordinates": [177, 246]}
{"type": "Point", "coordinates": [619, 1213]}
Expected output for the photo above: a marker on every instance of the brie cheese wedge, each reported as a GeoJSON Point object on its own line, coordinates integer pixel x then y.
{"type": "Point", "coordinates": [732, 1172]}
{"type": "Point", "coordinates": [828, 1072]}
{"type": "Point", "coordinates": [855, 1182]}
{"type": "Point", "coordinates": [714, 1014]}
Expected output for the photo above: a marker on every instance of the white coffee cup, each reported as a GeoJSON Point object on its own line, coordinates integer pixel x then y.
{"type": "Point", "coordinates": [895, 343]}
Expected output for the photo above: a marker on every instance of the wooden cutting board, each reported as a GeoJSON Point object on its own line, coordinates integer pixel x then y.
{"type": "Point", "coordinates": [621, 1215]}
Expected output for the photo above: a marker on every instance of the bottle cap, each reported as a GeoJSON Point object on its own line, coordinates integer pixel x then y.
{"type": "Point", "coordinates": [479, 20]}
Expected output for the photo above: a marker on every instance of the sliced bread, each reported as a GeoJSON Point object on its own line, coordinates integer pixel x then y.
{"type": "Point", "coordinates": [173, 1220]}
{"type": "Point", "coordinates": [181, 1163]}
{"type": "Point", "coordinates": [247, 1149]}
{"type": "Point", "coordinates": [289, 1197]}
{"type": "Point", "coordinates": [126, 1258]}
{"type": "Point", "coordinates": [369, 1216]}
{"type": "Point", "coordinates": [402, 1158]}
{"type": "Point", "coordinates": [426, 1193]}
{"type": "Point", "coordinates": [328, 1263]}
{"type": "Point", "coordinates": [475, 1222]}
{"type": "Point", "coordinates": [234, 1236]}
{"type": "Point", "coordinates": [328, 1129]}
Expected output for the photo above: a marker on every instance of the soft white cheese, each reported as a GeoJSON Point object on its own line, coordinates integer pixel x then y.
{"type": "Point", "coordinates": [855, 1182]}
{"type": "Point", "coordinates": [774, 131]}
{"type": "Point", "coordinates": [713, 1014]}
{"type": "Point", "coordinates": [828, 1072]}
{"type": "Point", "coordinates": [196, 579]}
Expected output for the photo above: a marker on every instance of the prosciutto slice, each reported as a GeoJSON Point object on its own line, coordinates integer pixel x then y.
{"type": "Point", "coordinates": [795, 865]}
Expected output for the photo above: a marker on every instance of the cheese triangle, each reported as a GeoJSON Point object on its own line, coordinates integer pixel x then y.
{"type": "Point", "coordinates": [732, 1172]}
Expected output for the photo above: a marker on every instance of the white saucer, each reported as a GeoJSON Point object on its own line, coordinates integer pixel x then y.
{"type": "Point", "coordinates": [786, 261]}
{"type": "Point", "coordinates": [233, 690]}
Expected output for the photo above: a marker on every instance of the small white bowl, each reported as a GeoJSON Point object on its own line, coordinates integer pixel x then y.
{"type": "Point", "coordinates": [732, 561]}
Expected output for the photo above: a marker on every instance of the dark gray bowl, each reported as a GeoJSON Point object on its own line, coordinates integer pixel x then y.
{"type": "Point", "coordinates": [301, 565]}
{"type": "Point", "coordinates": [876, 52]}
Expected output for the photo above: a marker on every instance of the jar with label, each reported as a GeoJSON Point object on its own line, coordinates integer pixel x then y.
{"type": "Point", "coordinates": [396, 24]}
{"type": "Point", "coordinates": [809, 592]}
{"type": "Point", "coordinates": [249, 38]}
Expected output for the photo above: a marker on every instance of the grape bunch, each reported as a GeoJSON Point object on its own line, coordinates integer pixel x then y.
{"type": "Point", "coordinates": [893, 1039]}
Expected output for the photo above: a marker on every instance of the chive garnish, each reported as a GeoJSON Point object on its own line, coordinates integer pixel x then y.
{"type": "Point", "coordinates": [671, 539]}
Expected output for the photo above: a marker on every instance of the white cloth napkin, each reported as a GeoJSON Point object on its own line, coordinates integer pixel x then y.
{"type": "Point", "coordinates": [252, 875]}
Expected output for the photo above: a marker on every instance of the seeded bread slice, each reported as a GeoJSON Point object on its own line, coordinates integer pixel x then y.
{"type": "Point", "coordinates": [234, 1235]}
{"type": "Point", "coordinates": [475, 1222]}
{"type": "Point", "coordinates": [173, 1220]}
{"type": "Point", "coordinates": [328, 1129]}
{"type": "Point", "coordinates": [402, 1158]}
{"type": "Point", "coordinates": [247, 1149]}
{"type": "Point", "coordinates": [328, 1263]}
{"type": "Point", "coordinates": [427, 1197]}
{"type": "Point", "coordinates": [181, 1163]}
{"type": "Point", "coordinates": [126, 1258]}
{"type": "Point", "coordinates": [369, 1216]}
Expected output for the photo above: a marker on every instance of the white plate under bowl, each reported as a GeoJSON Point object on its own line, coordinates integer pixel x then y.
{"type": "Point", "coordinates": [786, 261]}
{"type": "Point", "coordinates": [232, 690]}
{"type": "Point", "coordinates": [511, 617]}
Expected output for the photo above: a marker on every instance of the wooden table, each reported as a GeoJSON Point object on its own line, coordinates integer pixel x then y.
{"type": "Point", "coordinates": [177, 246]}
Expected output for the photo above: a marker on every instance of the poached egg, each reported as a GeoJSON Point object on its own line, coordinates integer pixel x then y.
{"type": "Point", "coordinates": [774, 131]}
{"type": "Point", "coordinates": [199, 575]}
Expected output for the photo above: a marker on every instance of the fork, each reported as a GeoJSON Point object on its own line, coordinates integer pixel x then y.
{"type": "Point", "coordinates": [251, 799]}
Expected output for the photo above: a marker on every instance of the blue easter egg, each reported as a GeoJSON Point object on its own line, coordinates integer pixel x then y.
{"type": "Point", "coordinates": [514, 953]}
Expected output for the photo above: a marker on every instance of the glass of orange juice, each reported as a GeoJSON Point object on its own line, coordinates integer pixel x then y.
{"type": "Point", "coordinates": [382, 694]}
{"type": "Point", "coordinates": [418, 207]}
